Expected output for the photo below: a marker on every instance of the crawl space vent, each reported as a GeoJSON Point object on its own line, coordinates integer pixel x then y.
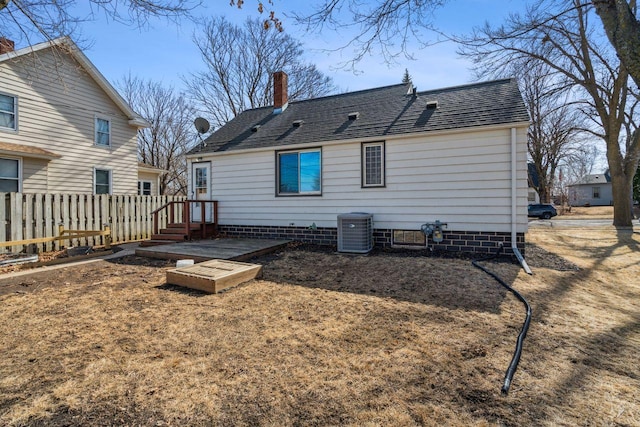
{"type": "Point", "coordinates": [355, 232]}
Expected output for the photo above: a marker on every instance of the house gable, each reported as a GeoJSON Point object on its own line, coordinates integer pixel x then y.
{"type": "Point", "coordinates": [59, 104]}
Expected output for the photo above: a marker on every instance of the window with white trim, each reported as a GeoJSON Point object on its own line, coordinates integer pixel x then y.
{"type": "Point", "coordinates": [144, 188]}
{"type": "Point", "coordinates": [102, 181]}
{"type": "Point", "coordinates": [8, 112]}
{"type": "Point", "coordinates": [9, 175]}
{"type": "Point", "coordinates": [103, 132]}
{"type": "Point", "coordinates": [595, 192]}
{"type": "Point", "coordinates": [373, 164]}
{"type": "Point", "coordinates": [299, 172]}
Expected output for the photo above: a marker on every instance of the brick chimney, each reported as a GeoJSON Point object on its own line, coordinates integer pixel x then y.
{"type": "Point", "coordinates": [280, 96]}
{"type": "Point", "coordinates": [6, 46]}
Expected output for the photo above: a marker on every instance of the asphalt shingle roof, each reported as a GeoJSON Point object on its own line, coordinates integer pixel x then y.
{"type": "Point", "coordinates": [596, 179]}
{"type": "Point", "coordinates": [383, 111]}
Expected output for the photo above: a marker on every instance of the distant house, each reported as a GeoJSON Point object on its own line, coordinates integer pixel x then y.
{"type": "Point", "coordinates": [457, 155]}
{"type": "Point", "coordinates": [593, 190]}
{"type": "Point", "coordinates": [534, 181]}
{"type": "Point", "coordinates": [63, 127]}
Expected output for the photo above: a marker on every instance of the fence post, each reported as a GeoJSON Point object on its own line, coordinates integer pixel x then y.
{"type": "Point", "coordinates": [107, 237]}
{"type": "Point", "coordinates": [49, 223]}
{"type": "Point", "coordinates": [16, 220]}
{"type": "Point", "coordinates": [4, 221]}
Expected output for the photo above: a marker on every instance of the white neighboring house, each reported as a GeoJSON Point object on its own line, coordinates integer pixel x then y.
{"type": "Point", "coordinates": [458, 155]}
{"type": "Point", "coordinates": [593, 190]}
{"type": "Point", "coordinates": [63, 127]}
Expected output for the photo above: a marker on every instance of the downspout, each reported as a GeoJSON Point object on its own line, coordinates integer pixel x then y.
{"type": "Point", "coordinates": [514, 202]}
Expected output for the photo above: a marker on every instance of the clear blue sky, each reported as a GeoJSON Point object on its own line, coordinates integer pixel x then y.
{"type": "Point", "coordinates": [165, 52]}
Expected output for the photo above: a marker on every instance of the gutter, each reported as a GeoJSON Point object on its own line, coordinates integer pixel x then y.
{"type": "Point", "coordinates": [514, 203]}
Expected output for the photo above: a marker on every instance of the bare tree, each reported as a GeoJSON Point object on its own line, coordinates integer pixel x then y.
{"type": "Point", "coordinates": [579, 163]}
{"type": "Point", "coordinates": [568, 44]}
{"type": "Point", "coordinates": [171, 134]}
{"type": "Point", "coordinates": [24, 19]}
{"type": "Point", "coordinates": [239, 63]}
{"type": "Point", "coordinates": [623, 30]}
{"type": "Point", "coordinates": [555, 125]}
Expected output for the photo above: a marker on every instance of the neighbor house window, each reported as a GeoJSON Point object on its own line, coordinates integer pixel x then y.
{"type": "Point", "coordinates": [9, 175]}
{"type": "Point", "coordinates": [102, 180]}
{"type": "Point", "coordinates": [596, 192]}
{"type": "Point", "coordinates": [144, 188]}
{"type": "Point", "coordinates": [8, 112]}
{"type": "Point", "coordinates": [299, 172]}
{"type": "Point", "coordinates": [373, 164]}
{"type": "Point", "coordinates": [103, 132]}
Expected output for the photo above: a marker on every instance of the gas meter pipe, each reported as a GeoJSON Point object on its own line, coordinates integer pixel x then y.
{"type": "Point", "coordinates": [513, 366]}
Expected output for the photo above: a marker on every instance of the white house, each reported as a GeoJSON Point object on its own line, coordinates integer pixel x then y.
{"type": "Point", "coordinates": [457, 155]}
{"type": "Point", "coordinates": [63, 127]}
{"type": "Point", "coordinates": [593, 190]}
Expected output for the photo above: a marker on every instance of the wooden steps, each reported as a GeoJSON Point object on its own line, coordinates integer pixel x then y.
{"type": "Point", "coordinates": [174, 233]}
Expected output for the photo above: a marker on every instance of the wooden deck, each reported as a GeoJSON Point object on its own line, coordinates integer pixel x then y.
{"type": "Point", "coordinates": [204, 250]}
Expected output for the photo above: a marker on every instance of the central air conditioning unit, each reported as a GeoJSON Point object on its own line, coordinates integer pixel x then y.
{"type": "Point", "coordinates": [355, 232]}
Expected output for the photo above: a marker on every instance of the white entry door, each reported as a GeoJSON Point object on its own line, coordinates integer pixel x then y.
{"type": "Point", "coordinates": [201, 190]}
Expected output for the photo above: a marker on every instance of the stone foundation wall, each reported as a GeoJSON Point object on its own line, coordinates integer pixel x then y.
{"type": "Point", "coordinates": [454, 241]}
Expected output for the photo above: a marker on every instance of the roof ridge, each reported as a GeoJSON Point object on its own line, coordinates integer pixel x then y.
{"type": "Point", "coordinates": [468, 85]}
{"type": "Point", "coordinates": [336, 95]}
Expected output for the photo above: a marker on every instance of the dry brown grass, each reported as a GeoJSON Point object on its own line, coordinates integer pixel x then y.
{"type": "Point", "coordinates": [589, 212]}
{"type": "Point", "coordinates": [330, 339]}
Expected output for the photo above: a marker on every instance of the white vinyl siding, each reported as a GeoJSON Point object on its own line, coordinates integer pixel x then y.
{"type": "Point", "coordinates": [59, 95]}
{"type": "Point", "coordinates": [8, 112]}
{"type": "Point", "coordinates": [585, 194]}
{"type": "Point", "coordinates": [34, 175]}
{"type": "Point", "coordinates": [463, 179]}
{"type": "Point", "coordinates": [373, 164]}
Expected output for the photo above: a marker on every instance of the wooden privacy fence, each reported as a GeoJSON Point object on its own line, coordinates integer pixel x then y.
{"type": "Point", "coordinates": [33, 216]}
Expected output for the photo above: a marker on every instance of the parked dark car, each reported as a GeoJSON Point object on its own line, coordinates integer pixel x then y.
{"type": "Point", "coordinates": [542, 211]}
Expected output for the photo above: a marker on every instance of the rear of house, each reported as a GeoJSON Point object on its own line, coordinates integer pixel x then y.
{"type": "Point", "coordinates": [456, 155]}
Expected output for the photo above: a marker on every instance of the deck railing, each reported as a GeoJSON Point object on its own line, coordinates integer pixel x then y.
{"type": "Point", "coordinates": [182, 209]}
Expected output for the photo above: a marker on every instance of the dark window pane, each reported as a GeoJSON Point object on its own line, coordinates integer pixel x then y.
{"type": "Point", "coordinates": [8, 185]}
{"type": "Point", "coordinates": [8, 168]}
{"type": "Point", "coordinates": [102, 181]}
{"type": "Point", "coordinates": [288, 173]}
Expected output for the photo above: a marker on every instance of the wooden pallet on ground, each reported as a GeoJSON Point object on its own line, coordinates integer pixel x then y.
{"type": "Point", "coordinates": [213, 276]}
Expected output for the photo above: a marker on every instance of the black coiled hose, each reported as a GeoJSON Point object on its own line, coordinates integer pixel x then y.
{"type": "Point", "coordinates": [513, 366]}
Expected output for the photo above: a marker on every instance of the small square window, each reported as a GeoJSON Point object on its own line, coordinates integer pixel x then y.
{"type": "Point", "coordinates": [144, 188]}
{"type": "Point", "coordinates": [103, 132]}
{"type": "Point", "coordinates": [8, 112]}
{"type": "Point", "coordinates": [373, 164]}
{"type": "Point", "coordinates": [102, 179]}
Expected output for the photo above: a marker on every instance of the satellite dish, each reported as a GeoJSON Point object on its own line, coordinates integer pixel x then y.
{"type": "Point", "coordinates": [202, 125]}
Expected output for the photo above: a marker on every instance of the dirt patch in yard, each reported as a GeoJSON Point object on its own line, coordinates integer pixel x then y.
{"type": "Point", "coordinates": [327, 339]}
